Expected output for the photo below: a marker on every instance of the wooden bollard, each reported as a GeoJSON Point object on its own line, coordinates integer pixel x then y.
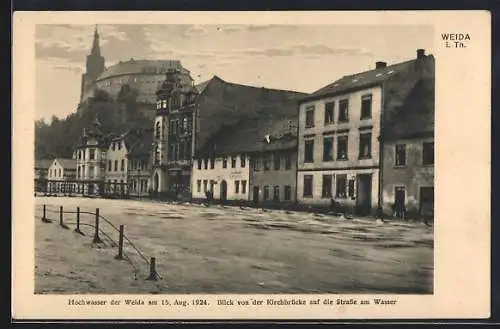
{"type": "Point", "coordinates": [44, 216]}
{"type": "Point", "coordinates": [77, 229]}
{"type": "Point", "coordinates": [96, 233]}
{"type": "Point", "coordinates": [61, 218]}
{"type": "Point", "coordinates": [120, 243]}
{"type": "Point", "coordinates": [153, 275]}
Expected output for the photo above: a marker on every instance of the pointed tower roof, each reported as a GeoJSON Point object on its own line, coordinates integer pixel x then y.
{"type": "Point", "coordinates": [96, 49]}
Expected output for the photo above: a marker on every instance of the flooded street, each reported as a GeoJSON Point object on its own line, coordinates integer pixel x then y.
{"type": "Point", "coordinates": [219, 249]}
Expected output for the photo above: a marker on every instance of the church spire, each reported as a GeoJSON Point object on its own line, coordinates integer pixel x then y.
{"type": "Point", "coordinates": [95, 61]}
{"type": "Point", "coordinates": [96, 50]}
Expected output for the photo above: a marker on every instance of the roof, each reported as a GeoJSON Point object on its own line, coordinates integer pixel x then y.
{"type": "Point", "coordinates": [364, 79]}
{"type": "Point", "coordinates": [66, 163]}
{"type": "Point", "coordinates": [250, 136]}
{"type": "Point", "coordinates": [223, 104]}
{"type": "Point", "coordinates": [140, 66]}
{"type": "Point", "coordinates": [43, 163]}
{"type": "Point", "coordinates": [130, 136]}
{"type": "Point", "coordinates": [201, 86]}
{"type": "Point", "coordinates": [416, 116]}
{"type": "Point", "coordinates": [142, 146]}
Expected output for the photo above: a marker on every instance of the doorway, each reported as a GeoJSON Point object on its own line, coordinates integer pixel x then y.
{"type": "Point", "coordinates": [223, 191]}
{"type": "Point", "coordinates": [427, 201]}
{"type": "Point", "coordinates": [364, 194]}
{"type": "Point", "coordinates": [156, 183]}
{"type": "Point", "coordinates": [255, 194]}
{"type": "Point", "coordinates": [399, 201]}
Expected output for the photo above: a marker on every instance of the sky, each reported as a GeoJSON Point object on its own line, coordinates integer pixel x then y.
{"type": "Point", "coordinates": [302, 58]}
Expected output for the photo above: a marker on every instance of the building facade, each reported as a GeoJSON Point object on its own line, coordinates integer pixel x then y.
{"type": "Point", "coordinates": [116, 168]}
{"type": "Point", "coordinates": [139, 165]}
{"type": "Point", "coordinates": [225, 176]}
{"type": "Point", "coordinates": [341, 134]}
{"type": "Point", "coordinates": [91, 161]}
{"type": "Point", "coordinates": [173, 142]}
{"type": "Point", "coordinates": [408, 167]}
{"type": "Point", "coordinates": [62, 176]}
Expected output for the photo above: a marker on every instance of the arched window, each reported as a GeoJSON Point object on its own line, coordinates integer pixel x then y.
{"type": "Point", "coordinates": [157, 154]}
{"type": "Point", "coordinates": [158, 132]}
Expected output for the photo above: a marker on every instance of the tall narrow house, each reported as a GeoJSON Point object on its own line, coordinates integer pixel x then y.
{"type": "Point", "coordinates": [343, 130]}
{"type": "Point", "coordinates": [173, 143]}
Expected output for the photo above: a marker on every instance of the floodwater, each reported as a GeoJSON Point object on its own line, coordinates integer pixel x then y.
{"type": "Point", "coordinates": [219, 249]}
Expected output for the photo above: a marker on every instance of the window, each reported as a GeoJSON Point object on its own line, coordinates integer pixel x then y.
{"type": "Point", "coordinates": [309, 150]}
{"type": "Point", "coordinates": [199, 164]}
{"type": "Point", "coordinates": [308, 186]}
{"type": "Point", "coordinates": [350, 191]}
{"type": "Point", "coordinates": [59, 172]}
{"type": "Point", "coordinates": [116, 165]}
{"type": "Point", "coordinates": [326, 191]}
{"type": "Point", "coordinates": [277, 160]}
{"type": "Point", "coordinates": [365, 145]}
{"type": "Point", "coordinates": [288, 162]}
{"type": "Point", "coordinates": [243, 161]}
{"type": "Point", "coordinates": [170, 128]}
{"type": "Point", "coordinates": [205, 163]}
{"type": "Point", "coordinates": [113, 147]}
{"type": "Point", "coordinates": [122, 165]}
{"type": "Point", "coordinates": [328, 149]}
{"type": "Point", "coordinates": [110, 165]}
{"type": "Point", "coordinates": [224, 162]}
{"type": "Point", "coordinates": [256, 164]}
{"type": "Point", "coordinates": [243, 186]}
{"type": "Point", "coordinates": [276, 193]}
{"type": "Point", "coordinates": [119, 145]}
{"type": "Point", "coordinates": [158, 130]}
{"type": "Point", "coordinates": [428, 153]}
{"type": "Point", "coordinates": [92, 154]}
{"type": "Point", "coordinates": [157, 156]}
{"type": "Point", "coordinates": [212, 163]}
{"type": "Point", "coordinates": [164, 103]}
{"type": "Point", "coordinates": [400, 155]}
{"type": "Point", "coordinates": [341, 186]}
{"type": "Point", "coordinates": [205, 182]}
{"type": "Point", "coordinates": [158, 105]}
{"type": "Point", "coordinates": [329, 107]}
{"type": "Point", "coordinates": [288, 192]}
{"type": "Point", "coordinates": [310, 116]}
{"type": "Point", "coordinates": [267, 161]}
{"type": "Point", "coordinates": [233, 162]}
{"type": "Point", "coordinates": [185, 124]}
{"type": "Point", "coordinates": [366, 107]}
{"type": "Point", "coordinates": [266, 192]}
{"type": "Point", "coordinates": [342, 147]}
{"type": "Point", "coordinates": [236, 186]}
{"type": "Point", "coordinates": [80, 170]}
{"type": "Point", "coordinates": [198, 185]}
{"type": "Point", "coordinates": [344, 110]}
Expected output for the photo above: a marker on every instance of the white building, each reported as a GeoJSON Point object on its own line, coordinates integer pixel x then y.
{"type": "Point", "coordinates": [61, 176]}
{"type": "Point", "coordinates": [91, 161]}
{"type": "Point", "coordinates": [226, 176]}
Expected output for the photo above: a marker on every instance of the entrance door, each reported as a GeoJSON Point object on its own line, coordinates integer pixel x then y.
{"type": "Point", "coordinates": [223, 190]}
{"type": "Point", "coordinates": [399, 201]}
{"type": "Point", "coordinates": [364, 194]}
{"type": "Point", "coordinates": [255, 194]}
{"type": "Point", "coordinates": [156, 182]}
{"type": "Point", "coordinates": [427, 201]}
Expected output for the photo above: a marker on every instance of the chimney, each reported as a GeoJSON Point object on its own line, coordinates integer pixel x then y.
{"type": "Point", "coordinates": [420, 53]}
{"type": "Point", "coordinates": [380, 65]}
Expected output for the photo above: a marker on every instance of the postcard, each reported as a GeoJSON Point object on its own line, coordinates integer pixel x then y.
{"type": "Point", "coordinates": [251, 165]}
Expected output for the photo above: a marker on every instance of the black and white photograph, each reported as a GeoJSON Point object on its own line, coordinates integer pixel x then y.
{"type": "Point", "coordinates": [232, 177]}
{"type": "Point", "coordinates": [180, 163]}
